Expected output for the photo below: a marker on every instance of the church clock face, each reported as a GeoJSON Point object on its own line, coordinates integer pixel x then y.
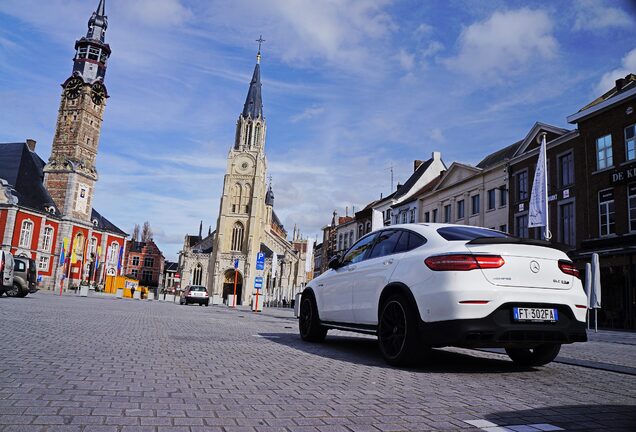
{"type": "Point", "coordinates": [74, 88]}
{"type": "Point", "coordinates": [243, 165]}
{"type": "Point", "coordinates": [98, 93]}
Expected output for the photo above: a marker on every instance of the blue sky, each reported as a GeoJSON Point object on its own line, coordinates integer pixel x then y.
{"type": "Point", "coordinates": [350, 88]}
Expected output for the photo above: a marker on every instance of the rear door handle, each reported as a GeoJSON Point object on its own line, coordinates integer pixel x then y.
{"type": "Point", "coordinates": [388, 262]}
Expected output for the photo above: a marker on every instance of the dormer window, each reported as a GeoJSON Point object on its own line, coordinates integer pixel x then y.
{"type": "Point", "coordinates": [95, 222]}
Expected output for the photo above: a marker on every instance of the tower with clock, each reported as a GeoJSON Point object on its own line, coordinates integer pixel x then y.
{"type": "Point", "coordinates": [70, 173]}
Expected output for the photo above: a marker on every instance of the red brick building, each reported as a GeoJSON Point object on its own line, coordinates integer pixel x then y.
{"type": "Point", "coordinates": [41, 204]}
{"type": "Point", "coordinates": [144, 261]}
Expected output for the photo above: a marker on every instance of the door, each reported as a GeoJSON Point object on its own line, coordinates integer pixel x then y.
{"type": "Point", "coordinates": [373, 274]}
{"type": "Point", "coordinates": [335, 289]}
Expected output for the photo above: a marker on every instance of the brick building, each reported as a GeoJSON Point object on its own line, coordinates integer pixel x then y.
{"type": "Point", "coordinates": [144, 261]}
{"type": "Point", "coordinates": [42, 204]}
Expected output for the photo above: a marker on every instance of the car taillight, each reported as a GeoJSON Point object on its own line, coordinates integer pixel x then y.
{"type": "Point", "coordinates": [568, 267]}
{"type": "Point", "coordinates": [463, 262]}
{"type": "Point", "coordinates": [205, 294]}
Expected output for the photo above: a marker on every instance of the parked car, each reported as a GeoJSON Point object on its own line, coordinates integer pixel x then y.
{"type": "Point", "coordinates": [419, 286]}
{"type": "Point", "coordinates": [25, 277]}
{"type": "Point", "coordinates": [6, 272]}
{"type": "Point", "coordinates": [195, 294]}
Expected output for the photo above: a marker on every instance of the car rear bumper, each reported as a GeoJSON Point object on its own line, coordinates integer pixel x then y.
{"type": "Point", "coordinates": [202, 300]}
{"type": "Point", "coordinates": [500, 330]}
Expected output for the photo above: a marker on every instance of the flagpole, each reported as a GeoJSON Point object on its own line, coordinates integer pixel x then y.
{"type": "Point", "coordinates": [547, 234]}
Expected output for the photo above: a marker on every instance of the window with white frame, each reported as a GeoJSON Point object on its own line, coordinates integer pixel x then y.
{"type": "Point", "coordinates": [26, 234]}
{"type": "Point", "coordinates": [492, 199]}
{"type": "Point", "coordinates": [93, 246]}
{"type": "Point", "coordinates": [630, 142]}
{"type": "Point", "coordinates": [404, 216]}
{"type": "Point", "coordinates": [43, 264]}
{"type": "Point", "coordinates": [135, 260]}
{"type": "Point", "coordinates": [47, 238]}
{"type": "Point", "coordinates": [631, 206]}
{"type": "Point", "coordinates": [475, 205]}
{"type": "Point", "coordinates": [412, 219]}
{"type": "Point", "coordinates": [149, 261]}
{"type": "Point", "coordinates": [604, 157]}
{"type": "Point", "coordinates": [113, 254]}
{"type": "Point", "coordinates": [606, 212]}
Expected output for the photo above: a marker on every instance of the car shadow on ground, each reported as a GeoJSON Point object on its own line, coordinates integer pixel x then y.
{"type": "Point", "coordinates": [588, 417]}
{"type": "Point", "coordinates": [365, 351]}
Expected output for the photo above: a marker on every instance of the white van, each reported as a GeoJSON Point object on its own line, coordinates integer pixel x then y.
{"type": "Point", "coordinates": [6, 270]}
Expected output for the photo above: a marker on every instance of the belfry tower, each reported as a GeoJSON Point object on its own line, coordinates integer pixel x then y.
{"type": "Point", "coordinates": [70, 173]}
{"type": "Point", "coordinates": [243, 216]}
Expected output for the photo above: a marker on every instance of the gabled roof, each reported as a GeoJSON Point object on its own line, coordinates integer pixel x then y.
{"type": "Point", "coordinates": [622, 90]}
{"type": "Point", "coordinates": [204, 245]}
{"type": "Point", "coordinates": [500, 155]}
{"type": "Point", "coordinates": [104, 224]}
{"type": "Point", "coordinates": [428, 187]}
{"type": "Point", "coordinates": [454, 167]}
{"type": "Point", "coordinates": [537, 128]}
{"type": "Point", "coordinates": [408, 185]}
{"type": "Point", "coordinates": [22, 169]}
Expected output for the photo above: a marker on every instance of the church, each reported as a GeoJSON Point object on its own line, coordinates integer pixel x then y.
{"type": "Point", "coordinates": [247, 223]}
{"type": "Point", "coordinates": [44, 205]}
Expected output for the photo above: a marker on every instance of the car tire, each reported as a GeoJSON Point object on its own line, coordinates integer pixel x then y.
{"type": "Point", "coordinates": [309, 325]}
{"type": "Point", "coordinates": [539, 356]}
{"type": "Point", "coordinates": [207, 303]}
{"type": "Point", "coordinates": [14, 291]}
{"type": "Point", "coordinates": [398, 336]}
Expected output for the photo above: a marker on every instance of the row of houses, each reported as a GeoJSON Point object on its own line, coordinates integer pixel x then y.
{"type": "Point", "coordinates": [591, 188]}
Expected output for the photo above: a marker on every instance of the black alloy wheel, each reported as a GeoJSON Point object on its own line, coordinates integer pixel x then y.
{"type": "Point", "coordinates": [397, 332]}
{"type": "Point", "coordinates": [538, 356]}
{"type": "Point", "coordinates": [308, 322]}
{"type": "Point", "coordinates": [14, 291]}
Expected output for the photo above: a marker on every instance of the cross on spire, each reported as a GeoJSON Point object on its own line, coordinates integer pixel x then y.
{"type": "Point", "coordinates": [260, 41]}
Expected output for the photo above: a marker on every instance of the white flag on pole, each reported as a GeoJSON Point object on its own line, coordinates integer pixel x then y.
{"type": "Point", "coordinates": [309, 259]}
{"type": "Point", "coordinates": [538, 213]}
{"type": "Point", "coordinates": [274, 264]}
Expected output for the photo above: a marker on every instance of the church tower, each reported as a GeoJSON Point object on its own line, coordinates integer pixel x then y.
{"type": "Point", "coordinates": [243, 215]}
{"type": "Point", "coordinates": [70, 173]}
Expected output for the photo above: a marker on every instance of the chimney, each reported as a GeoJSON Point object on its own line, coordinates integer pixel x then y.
{"type": "Point", "coordinates": [31, 144]}
{"type": "Point", "coordinates": [437, 155]}
{"type": "Point", "coordinates": [347, 211]}
{"type": "Point", "coordinates": [416, 164]}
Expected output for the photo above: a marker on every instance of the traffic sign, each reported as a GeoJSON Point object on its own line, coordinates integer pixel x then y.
{"type": "Point", "coordinates": [260, 261]}
{"type": "Point", "coordinates": [236, 262]}
{"type": "Point", "coordinates": [258, 282]}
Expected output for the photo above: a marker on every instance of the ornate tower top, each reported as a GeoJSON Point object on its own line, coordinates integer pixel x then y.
{"type": "Point", "coordinates": [253, 107]}
{"type": "Point", "coordinates": [91, 51]}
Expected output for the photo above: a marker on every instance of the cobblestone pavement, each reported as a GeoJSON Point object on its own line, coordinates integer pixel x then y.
{"type": "Point", "coordinates": [70, 364]}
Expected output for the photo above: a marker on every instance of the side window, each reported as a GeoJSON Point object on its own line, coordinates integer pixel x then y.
{"type": "Point", "coordinates": [357, 252]}
{"type": "Point", "coordinates": [19, 266]}
{"type": "Point", "coordinates": [386, 243]}
{"type": "Point", "coordinates": [408, 241]}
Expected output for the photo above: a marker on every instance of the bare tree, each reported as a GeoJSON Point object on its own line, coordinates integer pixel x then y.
{"type": "Point", "coordinates": [135, 233]}
{"type": "Point", "coordinates": [146, 232]}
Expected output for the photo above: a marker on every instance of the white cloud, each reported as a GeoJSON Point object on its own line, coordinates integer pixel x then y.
{"type": "Point", "coordinates": [423, 29]}
{"type": "Point", "coordinates": [594, 15]}
{"type": "Point", "coordinates": [406, 59]}
{"type": "Point", "coordinates": [307, 113]}
{"type": "Point", "coordinates": [436, 135]}
{"type": "Point", "coordinates": [504, 44]}
{"type": "Point", "coordinates": [628, 65]}
{"type": "Point", "coordinates": [159, 13]}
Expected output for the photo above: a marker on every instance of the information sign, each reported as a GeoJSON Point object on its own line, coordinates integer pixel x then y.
{"type": "Point", "coordinates": [260, 261]}
{"type": "Point", "coordinates": [258, 282]}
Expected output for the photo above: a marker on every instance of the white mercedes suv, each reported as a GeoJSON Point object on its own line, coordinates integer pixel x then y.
{"type": "Point", "coordinates": [419, 286]}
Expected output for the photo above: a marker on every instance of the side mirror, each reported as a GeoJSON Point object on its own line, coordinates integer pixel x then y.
{"type": "Point", "coordinates": [334, 262]}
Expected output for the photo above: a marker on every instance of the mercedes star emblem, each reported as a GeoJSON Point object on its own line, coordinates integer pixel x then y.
{"type": "Point", "coordinates": [534, 266]}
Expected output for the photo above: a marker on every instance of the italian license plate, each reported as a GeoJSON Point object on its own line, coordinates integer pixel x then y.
{"type": "Point", "coordinates": [535, 314]}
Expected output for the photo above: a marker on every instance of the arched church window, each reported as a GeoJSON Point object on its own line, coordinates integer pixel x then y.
{"type": "Point", "coordinates": [237, 139]}
{"type": "Point", "coordinates": [245, 199]}
{"type": "Point", "coordinates": [197, 275]}
{"type": "Point", "coordinates": [237, 237]}
{"type": "Point", "coordinates": [248, 135]}
{"type": "Point", "coordinates": [113, 253]}
{"type": "Point", "coordinates": [236, 198]}
{"type": "Point", "coordinates": [257, 139]}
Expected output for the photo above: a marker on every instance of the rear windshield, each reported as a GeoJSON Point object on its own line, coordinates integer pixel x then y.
{"type": "Point", "coordinates": [469, 233]}
{"type": "Point", "coordinates": [197, 288]}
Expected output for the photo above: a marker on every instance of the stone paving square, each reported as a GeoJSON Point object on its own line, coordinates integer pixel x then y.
{"type": "Point", "coordinates": [98, 364]}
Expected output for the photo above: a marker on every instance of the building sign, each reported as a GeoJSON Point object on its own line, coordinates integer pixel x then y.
{"type": "Point", "coordinates": [623, 175]}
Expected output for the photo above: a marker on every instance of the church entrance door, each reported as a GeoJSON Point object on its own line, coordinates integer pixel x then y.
{"type": "Point", "coordinates": [228, 285]}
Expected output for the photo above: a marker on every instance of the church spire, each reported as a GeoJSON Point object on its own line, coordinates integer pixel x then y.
{"type": "Point", "coordinates": [254, 102]}
{"type": "Point", "coordinates": [98, 23]}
